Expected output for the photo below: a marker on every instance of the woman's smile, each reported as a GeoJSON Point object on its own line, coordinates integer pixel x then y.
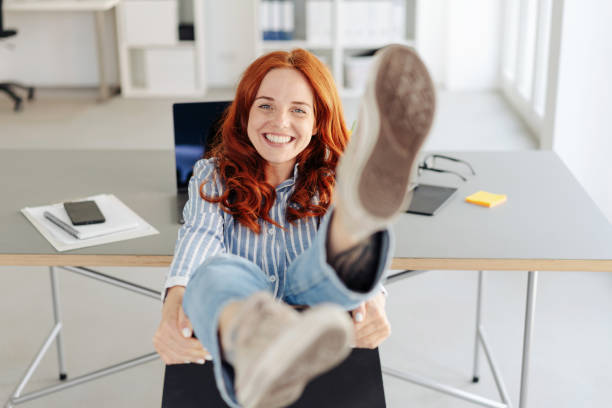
{"type": "Point", "coordinates": [278, 139]}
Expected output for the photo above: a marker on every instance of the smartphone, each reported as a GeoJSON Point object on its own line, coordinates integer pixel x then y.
{"type": "Point", "coordinates": [84, 212]}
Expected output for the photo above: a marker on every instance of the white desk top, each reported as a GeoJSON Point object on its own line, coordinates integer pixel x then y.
{"type": "Point", "coordinates": [59, 5]}
{"type": "Point", "coordinates": [548, 222]}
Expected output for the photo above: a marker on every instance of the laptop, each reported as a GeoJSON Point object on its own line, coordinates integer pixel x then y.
{"type": "Point", "coordinates": [195, 125]}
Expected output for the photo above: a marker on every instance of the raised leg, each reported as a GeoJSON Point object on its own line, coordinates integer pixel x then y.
{"type": "Point", "coordinates": [57, 317]}
{"type": "Point", "coordinates": [475, 377]}
{"type": "Point", "coordinates": [532, 280]}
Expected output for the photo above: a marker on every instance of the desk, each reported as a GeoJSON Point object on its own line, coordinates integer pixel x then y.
{"type": "Point", "coordinates": [549, 222]}
{"type": "Point", "coordinates": [98, 7]}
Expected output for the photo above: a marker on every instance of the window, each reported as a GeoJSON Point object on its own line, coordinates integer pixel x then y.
{"type": "Point", "coordinates": [526, 52]}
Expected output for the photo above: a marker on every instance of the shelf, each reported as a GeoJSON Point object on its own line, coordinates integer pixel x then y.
{"type": "Point", "coordinates": [290, 44]}
{"type": "Point", "coordinates": [59, 5]}
{"type": "Point", "coordinates": [269, 45]}
{"type": "Point", "coordinates": [378, 44]}
{"type": "Point", "coordinates": [179, 45]}
{"type": "Point", "coordinates": [143, 92]}
{"type": "Point", "coordinates": [153, 61]}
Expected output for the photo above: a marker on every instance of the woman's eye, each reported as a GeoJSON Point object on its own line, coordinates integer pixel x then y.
{"type": "Point", "coordinates": [298, 110]}
{"type": "Point", "coordinates": [265, 106]}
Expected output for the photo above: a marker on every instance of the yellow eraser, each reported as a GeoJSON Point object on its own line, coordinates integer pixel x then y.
{"type": "Point", "coordinates": [486, 199]}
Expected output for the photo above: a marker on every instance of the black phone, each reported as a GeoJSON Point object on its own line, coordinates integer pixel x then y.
{"type": "Point", "coordinates": [84, 212]}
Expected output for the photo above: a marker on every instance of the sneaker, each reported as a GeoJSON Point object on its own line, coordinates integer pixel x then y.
{"type": "Point", "coordinates": [395, 116]}
{"type": "Point", "coordinates": [276, 351]}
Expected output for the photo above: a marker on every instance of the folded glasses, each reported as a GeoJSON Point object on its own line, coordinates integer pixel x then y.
{"type": "Point", "coordinates": [429, 164]}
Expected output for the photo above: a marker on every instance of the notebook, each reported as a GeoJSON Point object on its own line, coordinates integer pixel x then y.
{"type": "Point", "coordinates": [427, 199]}
{"type": "Point", "coordinates": [195, 126]}
{"type": "Point", "coordinates": [121, 223]}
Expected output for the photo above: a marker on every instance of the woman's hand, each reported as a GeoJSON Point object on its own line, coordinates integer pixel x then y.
{"type": "Point", "coordinates": [173, 340]}
{"type": "Point", "coordinates": [371, 324]}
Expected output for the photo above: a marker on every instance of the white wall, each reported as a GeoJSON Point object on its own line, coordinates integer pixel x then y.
{"type": "Point", "coordinates": [230, 40]}
{"type": "Point", "coordinates": [56, 49]}
{"type": "Point", "coordinates": [583, 121]}
{"type": "Point", "coordinates": [460, 42]}
{"type": "Point", "coordinates": [431, 33]}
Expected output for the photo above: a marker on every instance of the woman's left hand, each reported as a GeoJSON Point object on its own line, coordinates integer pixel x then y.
{"type": "Point", "coordinates": [372, 327]}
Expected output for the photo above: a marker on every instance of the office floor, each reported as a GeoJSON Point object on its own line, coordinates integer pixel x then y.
{"type": "Point", "coordinates": [432, 314]}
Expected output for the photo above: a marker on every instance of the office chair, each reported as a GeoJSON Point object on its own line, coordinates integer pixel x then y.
{"type": "Point", "coordinates": [8, 87]}
{"type": "Point", "coordinates": [355, 383]}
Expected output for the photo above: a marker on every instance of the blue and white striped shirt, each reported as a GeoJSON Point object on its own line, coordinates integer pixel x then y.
{"type": "Point", "coordinates": [208, 231]}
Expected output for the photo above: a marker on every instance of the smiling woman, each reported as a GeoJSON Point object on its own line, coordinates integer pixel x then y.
{"type": "Point", "coordinates": [260, 233]}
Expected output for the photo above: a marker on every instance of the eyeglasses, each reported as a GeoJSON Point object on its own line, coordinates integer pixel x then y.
{"type": "Point", "coordinates": [429, 164]}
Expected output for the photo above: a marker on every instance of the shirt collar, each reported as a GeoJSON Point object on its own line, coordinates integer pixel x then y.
{"type": "Point", "coordinates": [290, 182]}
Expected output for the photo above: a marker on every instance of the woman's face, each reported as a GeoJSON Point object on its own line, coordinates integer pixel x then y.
{"type": "Point", "coordinates": [281, 119]}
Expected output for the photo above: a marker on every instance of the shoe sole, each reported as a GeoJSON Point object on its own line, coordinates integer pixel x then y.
{"type": "Point", "coordinates": [319, 341]}
{"type": "Point", "coordinates": [404, 100]}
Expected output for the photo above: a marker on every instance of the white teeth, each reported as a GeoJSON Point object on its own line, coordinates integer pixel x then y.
{"type": "Point", "coordinates": [277, 139]}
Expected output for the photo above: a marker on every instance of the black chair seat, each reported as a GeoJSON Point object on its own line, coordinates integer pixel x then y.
{"type": "Point", "coordinates": [356, 383]}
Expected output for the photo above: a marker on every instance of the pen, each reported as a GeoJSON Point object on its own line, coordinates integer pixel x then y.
{"type": "Point", "coordinates": [66, 227]}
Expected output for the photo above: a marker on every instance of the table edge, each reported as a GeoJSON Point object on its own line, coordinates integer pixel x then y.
{"type": "Point", "coordinates": [473, 264]}
{"type": "Point", "coordinates": [84, 260]}
{"type": "Point", "coordinates": [477, 264]}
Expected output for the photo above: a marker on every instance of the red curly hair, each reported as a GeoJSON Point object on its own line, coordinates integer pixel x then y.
{"type": "Point", "coordinates": [248, 196]}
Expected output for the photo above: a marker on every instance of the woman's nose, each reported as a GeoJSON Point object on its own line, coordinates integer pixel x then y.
{"type": "Point", "coordinates": [281, 118]}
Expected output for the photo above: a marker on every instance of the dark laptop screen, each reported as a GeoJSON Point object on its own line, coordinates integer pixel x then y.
{"type": "Point", "coordinates": [195, 124]}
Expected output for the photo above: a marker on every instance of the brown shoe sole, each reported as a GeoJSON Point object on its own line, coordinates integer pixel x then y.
{"type": "Point", "coordinates": [405, 99]}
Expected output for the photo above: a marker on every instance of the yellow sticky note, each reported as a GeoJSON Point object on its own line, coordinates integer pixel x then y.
{"type": "Point", "coordinates": [486, 199]}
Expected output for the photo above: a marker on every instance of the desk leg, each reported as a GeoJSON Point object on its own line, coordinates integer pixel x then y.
{"type": "Point", "coordinates": [99, 18]}
{"type": "Point", "coordinates": [532, 281]}
{"type": "Point", "coordinates": [475, 377]}
{"type": "Point", "coordinates": [58, 319]}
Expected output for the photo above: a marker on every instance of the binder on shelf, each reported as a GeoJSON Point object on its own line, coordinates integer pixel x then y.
{"type": "Point", "coordinates": [318, 21]}
{"type": "Point", "coordinates": [287, 20]}
{"type": "Point", "coordinates": [277, 19]}
{"type": "Point", "coordinates": [121, 224]}
{"type": "Point", "coordinates": [266, 20]}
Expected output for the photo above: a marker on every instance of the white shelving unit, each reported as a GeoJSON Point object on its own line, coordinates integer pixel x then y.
{"type": "Point", "coordinates": [338, 46]}
{"type": "Point", "coordinates": [152, 60]}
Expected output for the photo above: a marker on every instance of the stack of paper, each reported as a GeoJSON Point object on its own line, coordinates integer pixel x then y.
{"type": "Point", "coordinates": [121, 224]}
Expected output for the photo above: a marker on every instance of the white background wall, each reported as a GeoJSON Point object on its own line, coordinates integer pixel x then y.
{"type": "Point", "coordinates": [59, 48]}
{"type": "Point", "coordinates": [56, 49]}
{"type": "Point", "coordinates": [458, 38]}
{"type": "Point", "coordinates": [230, 40]}
{"type": "Point", "coordinates": [583, 122]}
{"type": "Point", "coordinates": [460, 42]}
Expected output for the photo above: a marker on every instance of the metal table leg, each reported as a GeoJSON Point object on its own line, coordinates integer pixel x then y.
{"type": "Point", "coordinates": [58, 319]}
{"type": "Point", "coordinates": [17, 397]}
{"type": "Point", "coordinates": [480, 340]}
{"type": "Point", "coordinates": [532, 280]}
{"type": "Point", "coordinates": [475, 376]}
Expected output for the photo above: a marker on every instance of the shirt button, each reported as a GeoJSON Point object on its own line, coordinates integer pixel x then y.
{"type": "Point", "coordinates": [272, 278]}
{"type": "Point", "coordinates": [271, 230]}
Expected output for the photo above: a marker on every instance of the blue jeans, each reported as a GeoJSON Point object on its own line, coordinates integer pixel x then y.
{"type": "Point", "coordinates": [309, 280]}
